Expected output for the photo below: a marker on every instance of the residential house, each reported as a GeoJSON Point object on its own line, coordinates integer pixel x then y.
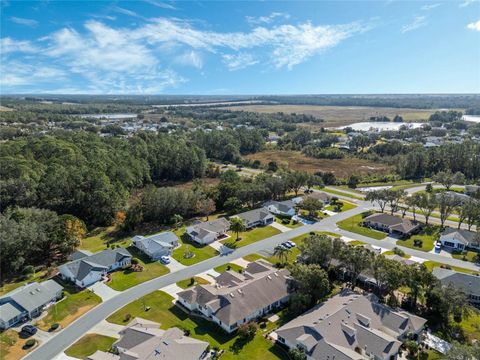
{"type": "Point", "coordinates": [394, 225]}
{"type": "Point", "coordinates": [257, 217]}
{"type": "Point", "coordinates": [27, 302]}
{"type": "Point", "coordinates": [459, 239]}
{"type": "Point", "coordinates": [350, 326]}
{"type": "Point", "coordinates": [236, 298]}
{"type": "Point", "coordinates": [86, 269]}
{"type": "Point", "coordinates": [320, 196]}
{"type": "Point", "coordinates": [143, 340]}
{"type": "Point", "coordinates": [208, 231]}
{"type": "Point", "coordinates": [156, 245]}
{"type": "Point", "coordinates": [283, 208]}
{"type": "Point", "coordinates": [468, 283]}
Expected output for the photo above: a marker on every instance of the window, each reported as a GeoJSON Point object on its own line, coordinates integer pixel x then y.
{"type": "Point", "coordinates": [449, 244]}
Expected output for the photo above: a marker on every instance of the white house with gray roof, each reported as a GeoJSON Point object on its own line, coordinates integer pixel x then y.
{"type": "Point", "coordinates": [257, 217]}
{"type": "Point", "coordinates": [459, 239]}
{"type": "Point", "coordinates": [27, 302]}
{"type": "Point", "coordinates": [144, 340]}
{"type": "Point", "coordinates": [237, 298]}
{"type": "Point", "coordinates": [468, 283]}
{"type": "Point", "coordinates": [283, 208]}
{"type": "Point", "coordinates": [350, 326]}
{"type": "Point", "coordinates": [156, 245]}
{"type": "Point", "coordinates": [86, 269]}
{"type": "Point", "coordinates": [206, 232]}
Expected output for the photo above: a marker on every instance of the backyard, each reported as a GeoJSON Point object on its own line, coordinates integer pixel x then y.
{"type": "Point", "coordinates": [74, 304]}
{"type": "Point", "coordinates": [250, 236]}
{"type": "Point", "coordinates": [88, 344]}
{"type": "Point", "coordinates": [288, 222]}
{"type": "Point", "coordinates": [354, 224]}
{"type": "Point", "coordinates": [163, 311]}
{"type": "Point", "coordinates": [124, 279]}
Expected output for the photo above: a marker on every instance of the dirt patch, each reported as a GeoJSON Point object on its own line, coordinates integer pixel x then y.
{"type": "Point", "coordinates": [336, 116]}
{"type": "Point", "coordinates": [4, 108]}
{"type": "Point", "coordinates": [11, 346]}
{"type": "Point", "coordinates": [67, 320]}
{"type": "Point", "coordinates": [342, 168]}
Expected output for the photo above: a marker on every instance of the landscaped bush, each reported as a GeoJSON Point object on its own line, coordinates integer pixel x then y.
{"type": "Point", "coordinates": [29, 343]}
{"type": "Point", "coordinates": [418, 243]}
{"type": "Point", "coordinates": [134, 261]}
{"type": "Point", "coordinates": [247, 331]}
{"type": "Point", "coordinates": [127, 317]}
{"type": "Point", "coordinates": [54, 326]}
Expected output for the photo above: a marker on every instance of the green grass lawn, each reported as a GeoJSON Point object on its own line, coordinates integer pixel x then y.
{"type": "Point", "coordinates": [163, 311]}
{"type": "Point", "coordinates": [466, 256]}
{"type": "Point", "coordinates": [433, 264]}
{"type": "Point", "coordinates": [88, 344]}
{"type": "Point", "coordinates": [471, 326]}
{"type": "Point", "coordinates": [434, 355]}
{"type": "Point", "coordinates": [356, 243]}
{"type": "Point", "coordinates": [254, 257]}
{"type": "Point", "coordinates": [75, 304]}
{"type": "Point", "coordinates": [124, 279]}
{"type": "Point", "coordinates": [391, 252]}
{"type": "Point", "coordinates": [99, 239]}
{"type": "Point", "coordinates": [229, 266]}
{"type": "Point", "coordinates": [197, 280]}
{"type": "Point", "coordinates": [428, 235]}
{"type": "Point", "coordinates": [354, 224]}
{"type": "Point", "coordinates": [345, 206]}
{"type": "Point", "coordinates": [341, 193]}
{"type": "Point", "coordinates": [201, 252]}
{"type": "Point", "coordinates": [250, 236]}
{"type": "Point", "coordinates": [290, 224]}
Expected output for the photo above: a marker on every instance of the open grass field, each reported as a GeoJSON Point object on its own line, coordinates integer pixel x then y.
{"type": "Point", "coordinates": [163, 311]}
{"type": "Point", "coordinates": [88, 344]}
{"type": "Point", "coordinates": [75, 304]}
{"type": "Point", "coordinates": [336, 116]}
{"type": "Point", "coordinates": [124, 279]}
{"type": "Point", "coordinates": [354, 224]}
{"type": "Point", "coordinates": [342, 168]}
{"type": "Point", "coordinates": [250, 236]}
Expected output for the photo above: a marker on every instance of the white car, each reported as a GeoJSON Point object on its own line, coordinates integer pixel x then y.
{"type": "Point", "coordinates": [291, 243]}
{"type": "Point", "coordinates": [164, 259]}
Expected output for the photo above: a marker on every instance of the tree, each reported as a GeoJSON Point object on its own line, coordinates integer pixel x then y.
{"type": "Point", "coordinates": [297, 179]}
{"type": "Point", "coordinates": [353, 181]}
{"type": "Point", "coordinates": [417, 278]}
{"type": "Point", "coordinates": [426, 204]}
{"type": "Point", "coordinates": [233, 205]}
{"type": "Point", "coordinates": [412, 203]}
{"type": "Point", "coordinates": [378, 196]}
{"type": "Point", "coordinates": [282, 253]}
{"type": "Point", "coordinates": [272, 166]}
{"type": "Point", "coordinates": [311, 205]}
{"type": "Point", "coordinates": [297, 354]}
{"type": "Point", "coordinates": [311, 281]}
{"type": "Point", "coordinates": [447, 179]}
{"type": "Point", "coordinates": [446, 204]}
{"type": "Point", "coordinates": [469, 211]}
{"type": "Point", "coordinates": [355, 259]}
{"type": "Point", "coordinates": [205, 206]}
{"type": "Point", "coordinates": [463, 352]}
{"type": "Point", "coordinates": [317, 249]}
{"type": "Point", "coordinates": [247, 331]}
{"type": "Point", "coordinates": [237, 225]}
{"type": "Point", "coordinates": [176, 220]}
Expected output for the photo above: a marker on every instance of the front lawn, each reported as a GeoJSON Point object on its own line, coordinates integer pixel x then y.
{"type": "Point", "coordinates": [345, 206]}
{"type": "Point", "coordinates": [88, 344]}
{"type": "Point", "coordinates": [354, 224]}
{"type": "Point", "coordinates": [197, 280]}
{"type": "Point", "coordinates": [229, 266]}
{"type": "Point", "coordinates": [163, 311]}
{"type": "Point", "coordinates": [186, 246]}
{"type": "Point", "coordinates": [291, 224]}
{"type": "Point", "coordinates": [254, 257]}
{"type": "Point", "coordinates": [250, 236]}
{"type": "Point", "coordinates": [124, 279]}
{"type": "Point", "coordinates": [428, 235]}
{"type": "Point", "coordinates": [75, 304]}
{"type": "Point", "coordinates": [433, 264]}
{"type": "Point", "coordinates": [466, 256]}
{"type": "Point", "coordinates": [340, 193]}
{"type": "Point", "coordinates": [11, 345]}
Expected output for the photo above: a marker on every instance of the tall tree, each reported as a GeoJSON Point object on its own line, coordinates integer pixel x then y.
{"type": "Point", "coordinates": [237, 225]}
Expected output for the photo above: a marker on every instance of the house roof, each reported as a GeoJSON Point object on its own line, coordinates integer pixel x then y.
{"type": "Point", "coordinates": [34, 295]}
{"type": "Point", "coordinates": [464, 236]}
{"type": "Point", "coordinates": [157, 242]}
{"type": "Point", "coordinates": [102, 355]}
{"type": "Point", "coordinates": [79, 254]}
{"type": "Point", "coordinates": [349, 320]}
{"type": "Point", "coordinates": [232, 300]}
{"type": "Point", "coordinates": [317, 195]}
{"type": "Point", "coordinates": [8, 312]}
{"type": "Point", "coordinates": [470, 284]}
{"type": "Point", "coordinates": [283, 206]}
{"type": "Point", "coordinates": [202, 229]}
{"type": "Point", "coordinates": [393, 222]}
{"type": "Point", "coordinates": [254, 215]}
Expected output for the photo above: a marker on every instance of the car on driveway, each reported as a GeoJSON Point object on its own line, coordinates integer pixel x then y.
{"type": "Point", "coordinates": [29, 330]}
{"type": "Point", "coordinates": [291, 243]}
{"type": "Point", "coordinates": [164, 259]}
{"type": "Point", "coordinates": [438, 246]}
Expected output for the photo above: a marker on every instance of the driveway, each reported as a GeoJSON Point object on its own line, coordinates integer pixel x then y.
{"type": "Point", "coordinates": [172, 290]}
{"type": "Point", "coordinates": [280, 227]}
{"type": "Point", "coordinates": [174, 265]}
{"type": "Point", "coordinates": [103, 290]}
{"type": "Point", "coordinates": [107, 329]}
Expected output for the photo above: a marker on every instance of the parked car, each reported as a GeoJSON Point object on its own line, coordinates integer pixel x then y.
{"type": "Point", "coordinates": [287, 245]}
{"type": "Point", "coordinates": [292, 244]}
{"type": "Point", "coordinates": [164, 259]}
{"type": "Point", "coordinates": [29, 330]}
{"type": "Point", "coordinates": [438, 246]}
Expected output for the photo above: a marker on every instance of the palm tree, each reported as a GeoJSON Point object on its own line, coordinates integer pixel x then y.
{"type": "Point", "coordinates": [282, 253]}
{"type": "Point", "coordinates": [237, 225]}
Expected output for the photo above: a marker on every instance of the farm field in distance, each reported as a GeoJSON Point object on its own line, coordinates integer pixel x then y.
{"type": "Point", "coordinates": [342, 168]}
{"type": "Point", "coordinates": [336, 116]}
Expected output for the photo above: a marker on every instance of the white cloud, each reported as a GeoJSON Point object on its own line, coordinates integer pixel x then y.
{"type": "Point", "coordinates": [430, 6]}
{"type": "Point", "coordinates": [23, 21]}
{"type": "Point", "coordinates": [19, 74]}
{"type": "Point", "coordinates": [161, 4]}
{"type": "Point", "coordinates": [467, 3]}
{"type": "Point", "coordinates": [474, 26]}
{"type": "Point", "coordinates": [127, 12]}
{"type": "Point", "coordinates": [8, 45]}
{"type": "Point", "coordinates": [239, 61]}
{"type": "Point", "coordinates": [417, 22]}
{"type": "Point", "coordinates": [190, 58]}
{"type": "Point", "coordinates": [266, 19]}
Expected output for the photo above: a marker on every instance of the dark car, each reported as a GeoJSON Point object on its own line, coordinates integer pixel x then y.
{"type": "Point", "coordinates": [29, 329]}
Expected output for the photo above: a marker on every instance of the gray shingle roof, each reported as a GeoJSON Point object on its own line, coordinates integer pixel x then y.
{"type": "Point", "coordinates": [201, 229]}
{"type": "Point", "coordinates": [470, 284]}
{"type": "Point", "coordinates": [464, 236]}
{"type": "Point", "coordinates": [283, 206]}
{"type": "Point", "coordinates": [8, 312]}
{"type": "Point", "coordinates": [393, 222]}
{"type": "Point", "coordinates": [34, 295]}
{"type": "Point", "coordinates": [253, 216]}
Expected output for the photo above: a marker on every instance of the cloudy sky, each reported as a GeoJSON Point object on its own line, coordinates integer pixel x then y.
{"type": "Point", "coordinates": [160, 47]}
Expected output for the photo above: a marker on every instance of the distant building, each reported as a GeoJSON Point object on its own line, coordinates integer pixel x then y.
{"type": "Point", "coordinates": [350, 326]}
{"type": "Point", "coordinates": [27, 302]}
{"type": "Point", "coordinates": [394, 225]}
{"type": "Point", "coordinates": [236, 299]}
{"type": "Point", "coordinates": [208, 231]}
{"type": "Point", "coordinates": [469, 284]}
{"type": "Point", "coordinates": [86, 269]}
{"type": "Point", "coordinates": [257, 217]}
{"type": "Point", "coordinates": [143, 340]}
{"type": "Point", "coordinates": [459, 239]}
{"type": "Point", "coordinates": [156, 245]}
{"type": "Point", "coordinates": [284, 208]}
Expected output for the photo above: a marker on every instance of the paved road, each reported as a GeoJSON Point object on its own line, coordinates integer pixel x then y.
{"type": "Point", "coordinates": [82, 325]}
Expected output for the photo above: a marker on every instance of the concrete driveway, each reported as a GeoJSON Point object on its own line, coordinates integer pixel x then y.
{"type": "Point", "coordinates": [174, 265]}
{"type": "Point", "coordinates": [172, 290]}
{"type": "Point", "coordinates": [280, 227]}
{"type": "Point", "coordinates": [103, 290]}
{"type": "Point", "coordinates": [107, 329]}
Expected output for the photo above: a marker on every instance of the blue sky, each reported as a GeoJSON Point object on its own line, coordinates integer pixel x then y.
{"type": "Point", "coordinates": [230, 47]}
